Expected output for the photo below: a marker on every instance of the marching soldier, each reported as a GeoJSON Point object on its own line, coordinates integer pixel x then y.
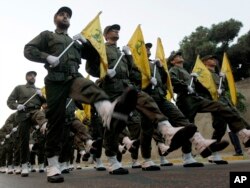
{"type": "Point", "coordinates": [27, 100]}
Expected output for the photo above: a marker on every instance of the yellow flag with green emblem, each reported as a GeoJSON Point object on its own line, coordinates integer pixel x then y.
{"type": "Point", "coordinates": [205, 78]}
{"type": "Point", "coordinates": [93, 33]}
{"type": "Point", "coordinates": [139, 53]}
{"type": "Point", "coordinates": [161, 55]}
{"type": "Point", "coordinates": [226, 69]}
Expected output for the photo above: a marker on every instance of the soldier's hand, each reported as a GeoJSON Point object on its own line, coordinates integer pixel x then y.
{"type": "Point", "coordinates": [14, 129]}
{"type": "Point", "coordinates": [153, 81]}
{"type": "Point", "coordinates": [43, 128]}
{"type": "Point", "coordinates": [219, 91]}
{"type": "Point", "coordinates": [158, 62]}
{"type": "Point", "coordinates": [194, 74]}
{"type": "Point", "coordinates": [53, 60]}
{"type": "Point", "coordinates": [2, 143]}
{"type": "Point", "coordinates": [222, 75]}
{"type": "Point", "coordinates": [39, 92]}
{"type": "Point", "coordinates": [111, 73]}
{"type": "Point", "coordinates": [80, 37]}
{"type": "Point", "coordinates": [126, 50]}
{"type": "Point", "coordinates": [20, 107]}
{"type": "Point", "coordinates": [7, 136]}
{"type": "Point", "coordinates": [190, 89]}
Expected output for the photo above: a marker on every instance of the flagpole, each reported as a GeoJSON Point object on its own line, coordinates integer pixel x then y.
{"type": "Point", "coordinates": [153, 87]}
{"type": "Point", "coordinates": [119, 60]}
{"type": "Point", "coordinates": [221, 79]}
{"type": "Point", "coordinates": [66, 49]}
{"type": "Point", "coordinates": [68, 103]}
{"type": "Point", "coordinates": [29, 99]}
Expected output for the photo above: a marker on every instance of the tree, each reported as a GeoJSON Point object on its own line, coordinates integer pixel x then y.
{"type": "Point", "coordinates": [224, 32]}
{"type": "Point", "coordinates": [239, 55]}
{"type": "Point", "coordinates": [206, 41]}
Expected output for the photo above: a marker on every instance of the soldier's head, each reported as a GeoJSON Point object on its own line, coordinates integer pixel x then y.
{"type": "Point", "coordinates": [148, 48]}
{"type": "Point", "coordinates": [175, 58]}
{"type": "Point", "coordinates": [62, 18]}
{"type": "Point", "coordinates": [111, 33]}
{"type": "Point", "coordinates": [31, 77]}
{"type": "Point", "coordinates": [210, 61]}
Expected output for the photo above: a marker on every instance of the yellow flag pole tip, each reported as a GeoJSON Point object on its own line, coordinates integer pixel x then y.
{"type": "Point", "coordinates": [99, 12]}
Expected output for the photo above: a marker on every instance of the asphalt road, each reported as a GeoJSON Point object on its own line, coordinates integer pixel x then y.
{"type": "Point", "coordinates": [210, 176]}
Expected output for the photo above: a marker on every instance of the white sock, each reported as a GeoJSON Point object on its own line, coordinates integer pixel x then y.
{"type": "Point", "coordinates": [188, 158]}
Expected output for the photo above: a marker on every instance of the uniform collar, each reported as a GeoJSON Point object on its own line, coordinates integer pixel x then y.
{"type": "Point", "coordinates": [29, 85]}
{"type": "Point", "coordinates": [61, 32]}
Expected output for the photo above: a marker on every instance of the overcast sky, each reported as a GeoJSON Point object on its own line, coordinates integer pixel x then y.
{"type": "Point", "coordinates": [171, 20]}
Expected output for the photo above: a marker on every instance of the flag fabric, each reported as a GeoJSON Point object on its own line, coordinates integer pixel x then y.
{"type": "Point", "coordinates": [139, 53]}
{"type": "Point", "coordinates": [161, 56]}
{"type": "Point", "coordinates": [205, 78]}
{"type": "Point", "coordinates": [80, 114]}
{"type": "Point", "coordinates": [43, 91]}
{"type": "Point", "coordinates": [93, 33]}
{"type": "Point", "coordinates": [226, 69]}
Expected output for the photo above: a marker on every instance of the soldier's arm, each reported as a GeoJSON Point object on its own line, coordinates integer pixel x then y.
{"type": "Point", "coordinates": [179, 85]}
{"type": "Point", "coordinates": [12, 99]}
{"type": "Point", "coordinates": [35, 50]}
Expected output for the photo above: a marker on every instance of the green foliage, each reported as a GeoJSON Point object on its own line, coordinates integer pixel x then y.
{"type": "Point", "coordinates": [224, 32]}
{"type": "Point", "coordinates": [240, 101]}
{"type": "Point", "coordinates": [216, 40]}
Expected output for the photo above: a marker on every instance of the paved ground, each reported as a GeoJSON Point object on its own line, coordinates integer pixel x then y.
{"type": "Point", "coordinates": [210, 176]}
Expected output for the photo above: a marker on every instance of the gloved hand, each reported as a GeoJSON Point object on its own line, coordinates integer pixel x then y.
{"type": "Point", "coordinates": [194, 74]}
{"type": "Point", "coordinates": [82, 152]}
{"type": "Point", "coordinates": [7, 136]}
{"type": "Point", "coordinates": [53, 60]}
{"type": "Point", "coordinates": [14, 129]}
{"type": "Point", "coordinates": [37, 127]}
{"type": "Point", "coordinates": [2, 143]}
{"type": "Point", "coordinates": [158, 62]}
{"type": "Point", "coordinates": [126, 50]}
{"type": "Point", "coordinates": [111, 73]}
{"type": "Point", "coordinates": [20, 107]}
{"type": "Point", "coordinates": [222, 75]}
{"type": "Point", "coordinates": [219, 91]}
{"type": "Point", "coordinates": [153, 81]}
{"type": "Point", "coordinates": [39, 92]}
{"type": "Point", "coordinates": [43, 128]}
{"type": "Point", "coordinates": [80, 37]}
{"type": "Point", "coordinates": [190, 90]}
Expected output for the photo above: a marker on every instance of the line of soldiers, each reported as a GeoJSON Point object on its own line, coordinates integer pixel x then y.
{"type": "Point", "coordinates": [124, 114]}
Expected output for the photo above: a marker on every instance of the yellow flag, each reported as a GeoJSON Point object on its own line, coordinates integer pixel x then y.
{"type": "Point", "coordinates": [226, 69]}
{"type": "Point", "coordinates": [139, 53]}
{"type": "Point", "coordinates": [93, 33]}
{"type": "Point", "coordinates": [87, 110]}
{"type": "Point", "coordinates": [43, 91]}
{"type": "Point", "coordinates": [80, 114]}
{"type": "Point", "coordinates": [205, 78]}
{"type": "Point", "coordinates": [161, 55]}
